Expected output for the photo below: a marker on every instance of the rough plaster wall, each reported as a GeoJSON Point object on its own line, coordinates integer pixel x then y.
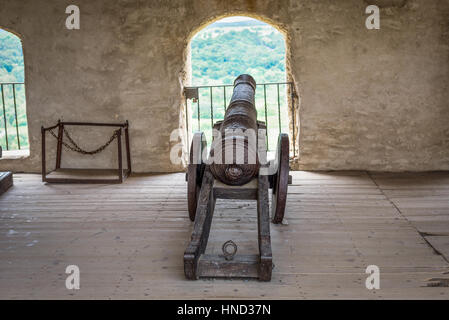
{"type": "Point", "coordinates": [374, 100]}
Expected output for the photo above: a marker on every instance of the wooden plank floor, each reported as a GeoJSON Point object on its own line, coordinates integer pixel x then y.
{"type": "Point", "coordinates": [92, 174]}
{"type": "Point", "coordinates": [128, 239]}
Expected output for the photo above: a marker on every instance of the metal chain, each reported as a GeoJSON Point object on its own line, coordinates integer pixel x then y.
{"type": "Point", "coordinates": [74, 147]}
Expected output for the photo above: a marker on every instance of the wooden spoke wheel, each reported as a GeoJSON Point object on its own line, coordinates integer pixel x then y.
{"type": "Point", "coordinates": [280, 179]}
{"type": "Point", "coordinates": [195, 172]}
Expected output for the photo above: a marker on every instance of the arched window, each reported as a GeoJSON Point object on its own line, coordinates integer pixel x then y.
{"type": "Point", "coordinates": [13, 119]}
{"type": "Point", "coordinates": [230, 47]}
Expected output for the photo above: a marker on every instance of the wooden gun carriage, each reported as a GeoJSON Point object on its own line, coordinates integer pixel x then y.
{"type": "Point", "coordinates": [236, 168]}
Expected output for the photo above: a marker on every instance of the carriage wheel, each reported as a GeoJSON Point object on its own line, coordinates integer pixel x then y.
{"type": "Point", "coordinates": [195, 172]}
{"type": "Point", "coordinates": [280, 180]}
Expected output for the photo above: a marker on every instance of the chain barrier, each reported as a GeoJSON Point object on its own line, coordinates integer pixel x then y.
{"type": "Point", "coordinates": [75, 148]}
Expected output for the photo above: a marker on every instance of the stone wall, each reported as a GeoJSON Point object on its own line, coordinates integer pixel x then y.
{"type": "Point", "coordinates": [369, 99]}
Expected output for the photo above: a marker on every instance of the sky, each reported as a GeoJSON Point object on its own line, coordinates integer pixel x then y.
{"type": "Point", "coordinates": [236, 19]}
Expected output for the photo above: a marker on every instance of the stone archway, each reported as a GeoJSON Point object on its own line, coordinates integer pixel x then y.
{"type": "Point", "coordinates": [293, 99]}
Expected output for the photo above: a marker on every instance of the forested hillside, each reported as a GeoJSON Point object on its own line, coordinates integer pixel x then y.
{"type": "Point", "coordinates": [11, 58]}
{"type": "Point", "coordinates": [220, 53]}
{"type": "Point", "coordinates": [12, 70]}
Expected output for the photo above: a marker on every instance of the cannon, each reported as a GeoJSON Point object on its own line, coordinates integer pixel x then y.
{"type": "Point", "coordinates": [235, 168]}
{"type": "Point", "coordinates": [240, 122]}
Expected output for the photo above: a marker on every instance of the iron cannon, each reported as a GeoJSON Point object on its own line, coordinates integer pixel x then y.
{"type": "Point", "coordinates": [238, 137]}
{"type": "Point", "coordinates": [235, 168]}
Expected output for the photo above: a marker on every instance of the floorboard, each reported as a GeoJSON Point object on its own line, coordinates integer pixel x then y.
{"type": "Point", "coordinates": [128, 239]}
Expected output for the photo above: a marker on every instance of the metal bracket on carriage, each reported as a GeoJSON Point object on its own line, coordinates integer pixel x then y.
{"type": "Point", "coordinates": [229, 249]}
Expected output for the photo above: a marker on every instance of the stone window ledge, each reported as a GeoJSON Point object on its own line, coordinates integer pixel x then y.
{"type": "Point", "coordinates": [15, 154]}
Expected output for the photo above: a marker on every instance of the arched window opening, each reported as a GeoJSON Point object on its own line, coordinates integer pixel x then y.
{"type": "Point", "coordinates": [13, 120]}
{"type": "Point", "coordinates": [230, 47]}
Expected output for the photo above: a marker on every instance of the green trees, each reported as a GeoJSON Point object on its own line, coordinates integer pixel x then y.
{"type": "Point", "coordinates": [12, 70]}
{"type": "Point", "coordinates": [11, 58]}
{"type": "Point", "coordinates": [223, 51]}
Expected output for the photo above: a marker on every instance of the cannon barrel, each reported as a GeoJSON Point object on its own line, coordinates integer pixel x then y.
{"type": "Point", "coordinates": [235, 158]}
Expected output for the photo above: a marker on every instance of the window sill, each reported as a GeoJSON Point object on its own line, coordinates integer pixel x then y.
{"type": "Point", "coordinates": [15, 154]}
